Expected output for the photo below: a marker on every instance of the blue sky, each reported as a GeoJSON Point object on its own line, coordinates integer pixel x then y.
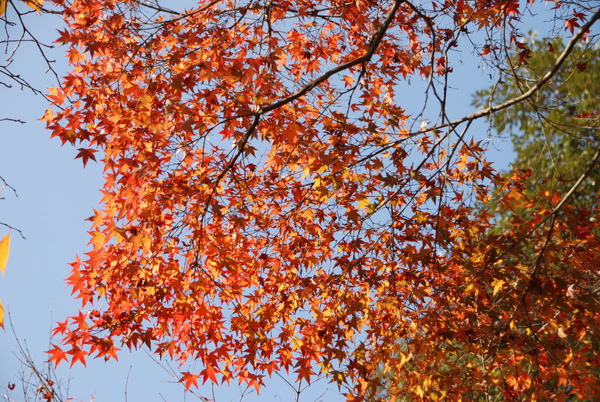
{"type": "Point", "coordinates": [55, 196]}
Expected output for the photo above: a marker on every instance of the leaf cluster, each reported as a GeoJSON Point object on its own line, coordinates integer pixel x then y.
{"type": "Point", "coordinates": [268, 207]}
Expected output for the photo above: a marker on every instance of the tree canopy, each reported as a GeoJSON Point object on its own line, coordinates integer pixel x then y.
{"type": "Point", "coordinates": [554, 133]}
{"type": "Point", "coordinates": [270, 206]}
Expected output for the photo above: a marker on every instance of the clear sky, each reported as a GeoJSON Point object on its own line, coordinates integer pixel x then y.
{"type": "Point", "coordinates": [55, 196]}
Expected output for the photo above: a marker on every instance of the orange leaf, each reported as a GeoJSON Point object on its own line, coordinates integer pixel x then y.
{"type": "Point", "coordinates": [78, 355]}
{"type": "Point", "coordinates": [35, 4]}
{"type": "Point", "coordinates": [4, 250]}
{"type": "Point", "coordinates": [75, 56]}
{"type": "Point", "coordinates": [189, 379]}
{"type": "Point", "coordinates": [209, 373]}
{"type": "Point", "coordinates": [48, 115]}
{"type": "Point", "coordinates": [56, 355]}
{"type": "Point", "coordinates": [1, 315]}
{"type": "Point", "coordinates": [304, 372]}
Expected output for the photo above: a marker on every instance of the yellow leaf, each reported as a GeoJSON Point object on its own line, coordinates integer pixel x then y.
{"type": "Point", "coordinates": [35, 4]}
{"type": "Point", "coordinates": [498, 283]}
{"type": "Point", "coordinates": [514, 194]}
{"type": "Point", "coordinates": [3, 7]}
{"type": "Point", "coordinates": [404, 358]}
{"type": "Point", "coordinates": [4, 249]}
{"type": "Point", "coordinates": [364, 203]}
{"type": "Point", "coordinates": [419, 391]}
{"type": "Point", "coordinates": [1, 315]}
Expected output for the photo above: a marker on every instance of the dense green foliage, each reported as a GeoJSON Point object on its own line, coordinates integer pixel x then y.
{"type": "Point", "coordinates": [554, 133]}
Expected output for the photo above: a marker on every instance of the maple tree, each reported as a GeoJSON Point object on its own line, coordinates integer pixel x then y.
{"type": "Point", "coordinates": [270, 205]}
{"type": "Point", "coordinates": [552, 133]}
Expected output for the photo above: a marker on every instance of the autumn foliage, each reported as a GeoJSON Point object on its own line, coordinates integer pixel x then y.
{"type": "Point", "coordinates": [35, 4]}
{"type": "Point", "coordinates": [269, 204]}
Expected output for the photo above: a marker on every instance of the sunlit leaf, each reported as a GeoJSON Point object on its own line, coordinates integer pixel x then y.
{"type": "Point", "coordinates": [270, 206]}
{"type": "Point", "coordinates": [1, 315]}
{"type": "Point", "coordinates": [497, 284]}
{"type": "Point", "coordinates": [35, 4]}
{"type": "Point", "coordinates": [4, 251]}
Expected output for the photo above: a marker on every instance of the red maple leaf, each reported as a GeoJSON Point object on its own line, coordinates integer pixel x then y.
{"type": "Point", "coordinates": [86, 154]}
